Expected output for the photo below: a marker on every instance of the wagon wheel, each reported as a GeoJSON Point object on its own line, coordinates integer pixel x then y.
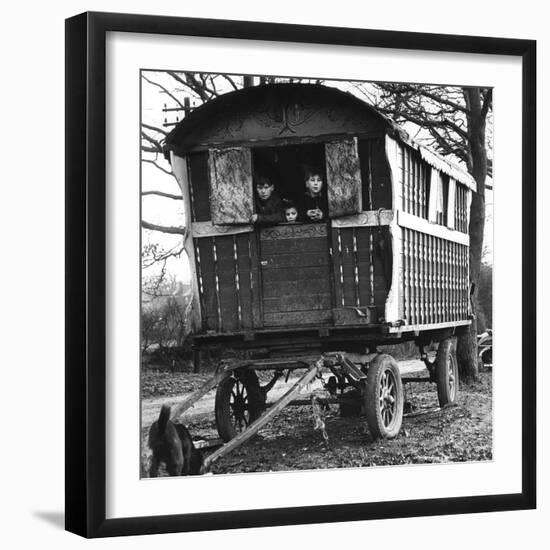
{"type": "Point", "coordinates": [486, 356]}
{"type": "Point", "coordinates": [384, 398]}
{"type": "Point", "coordinates": [446, 372]}
{"type": "Point", "coordinates": [238, 403]}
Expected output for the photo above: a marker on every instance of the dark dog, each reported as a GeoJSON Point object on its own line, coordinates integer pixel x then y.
{"type": "Point", "coordinates": [172, 444]}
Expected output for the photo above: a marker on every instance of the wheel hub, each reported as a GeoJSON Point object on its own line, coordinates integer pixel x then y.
{"type": "Point", "coordinates": [239, 405]}
{"type": "Point", "coordinates": [387, 398]}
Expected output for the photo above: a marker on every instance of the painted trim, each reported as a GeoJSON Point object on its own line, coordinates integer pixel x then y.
{"type": "Point", "coordinates": [208, 229]}
{"type": "Point", "coordinates": [435, 326]}
{"type": "Point", "coordinates": [394, 308]}
{"type": "Point", "coordinates": [420, 224]}
{"type": "Point", "coordinates": [368, 218]}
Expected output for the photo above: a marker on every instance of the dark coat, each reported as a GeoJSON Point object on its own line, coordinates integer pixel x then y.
{"type": "Point", "coordinates": [270, 211]}
{"type": "Point", "coordinates": [311, 203]}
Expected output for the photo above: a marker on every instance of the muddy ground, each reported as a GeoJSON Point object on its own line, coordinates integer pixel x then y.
{"type": "Point", "coordinates": [462, 432]}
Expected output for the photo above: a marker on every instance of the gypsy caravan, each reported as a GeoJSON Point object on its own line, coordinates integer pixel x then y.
{"type": "Point", "coordinates": [388, 264]}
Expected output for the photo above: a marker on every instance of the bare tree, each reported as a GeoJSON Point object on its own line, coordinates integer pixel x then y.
{"type": "Point", "coordinates": [455, 123]}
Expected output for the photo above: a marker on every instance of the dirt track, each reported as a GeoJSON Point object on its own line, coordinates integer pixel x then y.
{"type": "Point", "coordinates": [458, 433]}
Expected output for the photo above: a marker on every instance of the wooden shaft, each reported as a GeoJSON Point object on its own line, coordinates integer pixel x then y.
{"type": "Point", "coordinates": [196, 395]}
{"type": "Point", "coordinates": [266, 417]}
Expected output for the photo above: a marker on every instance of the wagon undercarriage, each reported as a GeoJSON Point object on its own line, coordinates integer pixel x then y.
{"type": "Point", "coordinates": [369, 386]}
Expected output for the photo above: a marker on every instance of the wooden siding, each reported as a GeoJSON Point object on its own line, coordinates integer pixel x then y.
{"type": "Point", "coordinates": [414, 177]}
{"type": "Point", "coordinates": [228, 278]}
{"type": "Point", "coordinates": [435, 279]}
{"type": "Point", "coordinates": [361, 259]}
{"type": "Point", "coordinates": [375, 174]}
{"type": "Point", "coordinates": [295, 271]}
{"type": "Point", "coordinates": [198, 177]}
{"type": "Point", "coordinates": [461, 208]}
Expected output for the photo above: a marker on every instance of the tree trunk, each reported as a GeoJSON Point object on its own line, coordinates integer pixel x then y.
{"type": "Point", "coordinates": [467, 339]}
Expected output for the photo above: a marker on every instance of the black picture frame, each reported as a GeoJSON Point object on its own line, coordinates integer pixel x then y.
{"type": "Point", "coordinates": [86, 265]}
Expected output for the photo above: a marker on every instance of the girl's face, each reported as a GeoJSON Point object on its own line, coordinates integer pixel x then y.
{"type": "Point", "coordinates": [291, 214]}
{"type": "Point", "coordinates": [314, 184]}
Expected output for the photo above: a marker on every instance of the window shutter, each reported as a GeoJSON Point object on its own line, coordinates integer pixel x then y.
{"type": "Point", "coordinates": [343, 178]}
{"type": "Point", "coordinates": [231, 193]}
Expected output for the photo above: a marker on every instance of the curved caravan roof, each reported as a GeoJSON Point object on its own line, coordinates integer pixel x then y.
{"type": "Point", "coordinates": [290, 113]}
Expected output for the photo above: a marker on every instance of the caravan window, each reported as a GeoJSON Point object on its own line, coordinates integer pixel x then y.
{"type": "Point", "coordinates": [232, 172]}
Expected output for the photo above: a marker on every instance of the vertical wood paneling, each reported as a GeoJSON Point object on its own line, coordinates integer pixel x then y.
{"type": "Point", "coordinates": [255, 280]}
{"type": "Point", "coordinates": [403, 182]}
{"type": "Point", "coordinates": [217, 284]}
{"type": "Point", "coordinates": [418, 276]}
{"type": "Point", "coordinates": [407, 274]}
{"type": "Point", "coordinates": [340, 264]}
{"type": "Point", "coordinates": [445, 267]}
{"type": "Point", "coordinates": [371, 267]}
{"type": "Point", "coordinates": [431, 299]}
{"type": "Point", "coordinates": [355, 268]}
{"type": "Point", "coordinates": [457, 280]}
{"type": "Point", "coordinates": [209, 296]}
{"type": "Point", "coordinates": [244, 273]}
{"type": "Point", "coordinates": [435, 279]}
{"type": "Point", "coordinates": [199, 188]}
{"type": "Point", "coordinates": [201, 283]}
{"type": "Point", "coordinates": [423, 239]}
{"type": "Point", "coordinates": [438, 280]}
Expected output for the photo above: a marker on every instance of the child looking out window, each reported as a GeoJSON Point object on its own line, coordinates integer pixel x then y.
{"type": "Point", "coordinates": [269, 207]}
{"type": "Point", "coordinates": [314, 206]}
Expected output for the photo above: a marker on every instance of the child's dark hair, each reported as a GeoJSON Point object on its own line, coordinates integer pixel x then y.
{"type": "Point", "coordinates": [261, 179]}
{"type": "Point", "coordinates": [310, 170]}
{"type": "Point", "coordinates": [289, 204]}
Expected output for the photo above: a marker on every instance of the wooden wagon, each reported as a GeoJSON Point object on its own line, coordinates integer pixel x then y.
{"type": "Point", "coordinates": [390, 264]}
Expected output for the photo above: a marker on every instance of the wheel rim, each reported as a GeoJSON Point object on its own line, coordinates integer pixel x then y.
{"type": "Point", "coordinates": [387, 398]}
{"type": "Point", "coordinates": [239, 407]}
{"type": "Point", "coordinates": [451, 377]}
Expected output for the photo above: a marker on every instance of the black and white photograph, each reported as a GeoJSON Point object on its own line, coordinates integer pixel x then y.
{"type": "Point", "coordinates": [274, 275]}
{"type": "Point", "coordinates": [316, 273]}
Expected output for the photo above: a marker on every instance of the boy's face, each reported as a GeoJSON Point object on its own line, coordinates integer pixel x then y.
{"type": "Point", "coordinates": [291, 214]}
{"type": "Point", "coordinates": [314, 184]}
{"type": "Point", "coordinates": [264, 191]}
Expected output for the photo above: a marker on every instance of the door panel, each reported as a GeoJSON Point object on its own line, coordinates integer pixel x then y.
{"type": "Point", "coordinates": [296, 282]}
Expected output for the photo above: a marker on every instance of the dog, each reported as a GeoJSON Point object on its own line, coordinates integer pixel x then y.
{"type": "Point", "coordinates": [172, 444]}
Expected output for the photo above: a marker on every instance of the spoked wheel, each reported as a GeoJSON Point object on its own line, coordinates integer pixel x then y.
{"type": "Point", "coordinates": [446, 372]}
{"type": "Point", "coordinates": [384, 398]}
{"type": "Point", "coordinates": [238, 404]}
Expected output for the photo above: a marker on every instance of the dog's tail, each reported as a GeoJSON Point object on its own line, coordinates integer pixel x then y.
{"type": "Point", "coordinates": [164, 416]}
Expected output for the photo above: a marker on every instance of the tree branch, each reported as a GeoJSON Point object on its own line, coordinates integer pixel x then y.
{"type": "Point", "coordinates": [164, 90]}
{"type": "Point", "coordinates": [162, 194]}
{"type": "Point", "coordinates": [158, 166]}
{"type": "Point", "coordinates": [154, 258]}
{"type": "Point", "coordinates": [164, 229]}
{"type": "Point", "coordinates": [231, 82]}
{"type": "Point", "coordinates": [154, 128]}
{"type": "Point", "coordinates": [152, 142]}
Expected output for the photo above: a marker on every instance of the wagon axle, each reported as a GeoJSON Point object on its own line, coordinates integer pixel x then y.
{"type": "Point", "coordinates": [373, 388]}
